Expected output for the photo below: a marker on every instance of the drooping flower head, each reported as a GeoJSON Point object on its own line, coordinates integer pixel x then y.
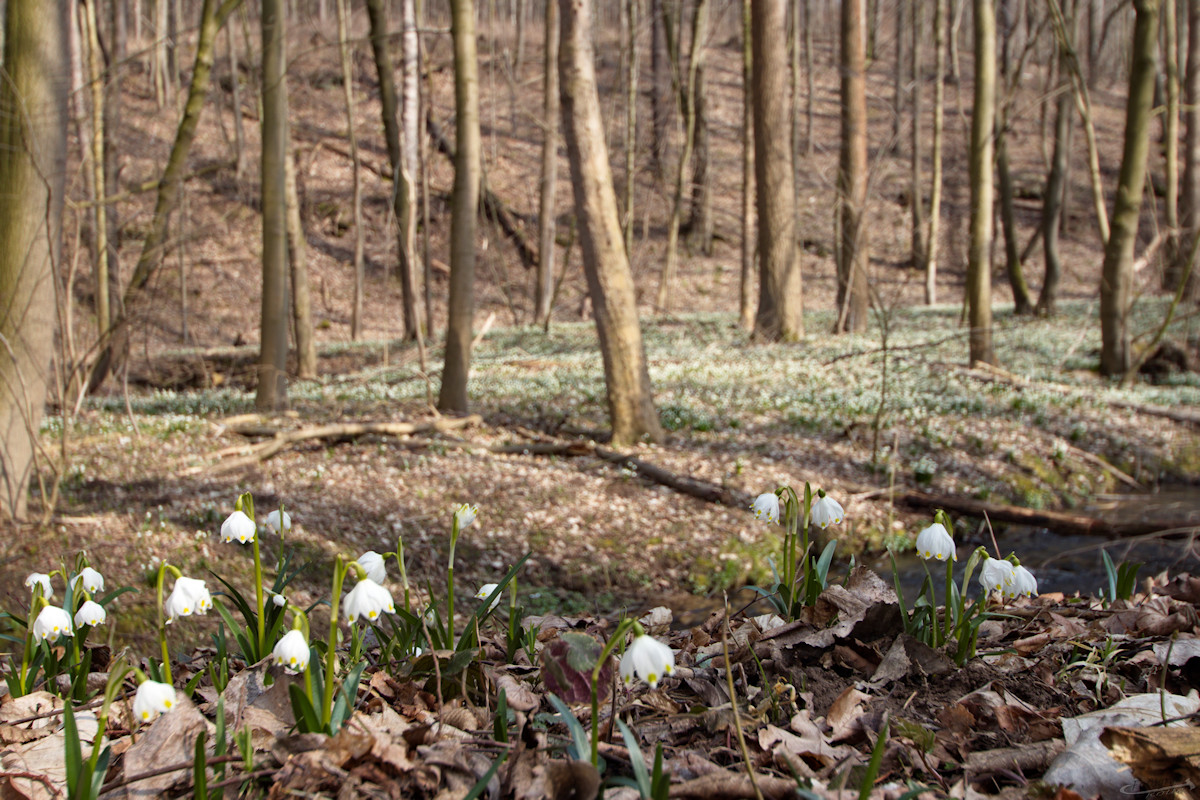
{"type": "Point", "coordinates": [51, 624]}
{"type": "Point", "coordinates": [997, 575]}
{"type": "Point", "coordinates": [291, 652]}
{"type": "Point", "coordinates": [276, 524]}
{"type": "Point", "coordinates": [372, 564]}
{"type": "Point", "coordinates": [92, 580]}
{"type": "Point", "coordinates": [826, 511]}
{"type": "Point", "coordinates": [90, 613]}
{"type": "Point", "coordinates": [936, 542]}
{"type": "Point", "coordinates": [153, 698]}
{"type": "Point", "coordinates": [36, 579]}
{"type": "Point", "coordinates": [648, 659]}
{"type": "Point", "coordinates": [766, 506]}
{"type": "Point", "coordinates": [1023, 584]}
{"type": "Point", "coordinates": [367, 600]}
{"type": "Point", "coordinates": [190, 596]}
{"type": "Point", "coordinates": [238, 527]}
{"type": "Point", "coordinates": [485, 592]}
{"type": "Point", "coordinates": [465, 514]}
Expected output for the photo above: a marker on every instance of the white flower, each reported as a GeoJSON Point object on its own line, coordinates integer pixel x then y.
{"type": "Point", "coordinates": [153, 698]}
{"type": "Point", "coordinates": [367, 600]}
{"type": "Point", "coordinates": [238, 527]}
{"type": "Point", "coordinates": [190, 596]}
{"type": "Point", "coordinates": [648, 659]}
{"type": "Point", "coordinates": [92, 580]}
{"type": "Point", "coordinates": [273, 521]}
{"type": "Point", "coordinates": [372, 564]}
{"type": "Point", "coordinates": [485, 591]}
{"type": "Point", "coordinates": [997, 575]}
{"type": "Point", "coordinates": [1023, 584]}
{"type": "Point", "coordinates": [826, 511]}
{"type": "Point", "coordinates": [36, 579]}
{"type": "Point", "coordinates": [291, 652]}
{"type": "Point", "coordinates": [50, 624]}
{"type": "Point", "coordinates": [90, 613]}
{"type": "Point", "coordinates": [936, 542]}
{"type": "Point", "coordinates": [276, 598]}
{"type": "Point", "coordinates": [465, 515]}
{"type": "Point", "coordinates": [766, 506]}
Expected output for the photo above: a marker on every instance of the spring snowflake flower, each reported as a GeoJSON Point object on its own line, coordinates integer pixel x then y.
{"type": "Point", "coordinates": [997, 575]}
{"type": "Point", "coordinates": [648, 659]}
{"type": "Point", "coordinates": [936, 542]}
{"type": "Point", "coordinates": [190, 596]}
{"type": "Point", "coordinates": [1023, 584]}
{"type": "Point", "coordinates": [90, 613]}
{"type": "Point", "coordinates": [367, 600]}
{"type": "Point", "coordinates": [766, 506]}
{"type": "Point", "coordinates": [485, 591]}
{"type": "Point", "coordinates": [36, 579]}
{"type": "Point", "coordinates": [92, 580]}
{"type": "Point", "coordinates": [153, 698]}
{"type": "Point", "coordinates": [51, 624]}
{"type": "Point", "coordinates": [273, 521]}
{"type": "Point", "coordinates": [465, 515]}
{"type": "Point", "coordinates": [277, 598]}
{"type": "Point", "coordinates": [826, 511]}
{"type": "Point", "coordinates": [373, 564]}
{"type": "Point", "coordinates": [238, 527]}
{"type": "Point", "coordinates": [291, 652]}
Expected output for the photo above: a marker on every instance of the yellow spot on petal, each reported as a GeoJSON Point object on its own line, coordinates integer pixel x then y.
{"type": "Point", "coordinates": [168, 703]}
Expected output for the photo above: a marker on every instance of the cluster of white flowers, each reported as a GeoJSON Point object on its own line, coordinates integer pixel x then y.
{"type": "Point", "coordinates": [825, 510]}
{"type": "Point", "coordinates": [996, 575]}
{"type": "Point", "coordinates": [190, 596]}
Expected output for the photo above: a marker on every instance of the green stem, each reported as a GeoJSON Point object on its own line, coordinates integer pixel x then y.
{"type": "Point", "coordinates": [454, 531]}
{"type": "Point", "coordinates": [618, 636]}
{"type": "Point", "coordinates": [162, 624]}
{"type": "Point", "coordinates": [403, 572]}
{"type": "Point", "coordinates": [948, 623]}
{"type": "Point", "coordinates": [339, 575]}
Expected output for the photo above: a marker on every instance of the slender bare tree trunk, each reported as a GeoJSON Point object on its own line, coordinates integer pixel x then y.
{"type": "Point", "coordinates": [239, 130]}
{"type": "Point", "coordinates": [899, 78]}
{"type": "Point", "coordinates": [547, 213]}
{"type": "Point", "coordinates": [938, 135]}
{"type": "Point", "coordinates": [746, 285]}
{"type": "Point", "coordinates": [983, 126]}
{"type": "Point", "coordinates": [915, 186]}
{"type": "Point", "coordinates": [1171, 138]}
{"type": "Point", "coordinates": [33, 154]}
{"type": "Point", "coordinates": [162, 86]}
{"type": "Point", "coordinates": [1190, 196]}
{"type": "Point", "coordinates": [660, 87]}
{"type": "Point", "coordinates": [631, 101]}
{"type": "Point", "coordinates": [344, 46]}
{"type": "Point", "coordinates": [1052, 206]}
{"type": "Point", "coordinates": [853, 251]}
{"type": "Point", "coordinates": [464, 208]}
{"type": "Point", "coordinates": [610, 280]}
{"type": "Point", "coordinates": [810, 79]}
{"type": "Point", "coordinates": [1012, 249]}
{"type": "Point", "coordinates": [410, 167]}
{"type": "Point", "coordinates": [700, 217]}
{"type": "Point", "coordinates": [99, 159]}
{"type": "Point", "coordinates": [297, 252]}
{"type": "Point", "coordinates": [1116, 284]}
{"type": "Point", "coordinates": [780, 314]}
{"type": "Point", "coordinates": [273, 346]}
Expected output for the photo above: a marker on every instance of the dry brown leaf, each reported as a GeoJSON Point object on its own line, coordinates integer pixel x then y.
{"type": "Point", "coordinates": [35, 704]}
{"type": "Point", "coordinates": [844, 714]}
{"type": "Point", "coordinates": [170, 739]}
{"type": "Point", "coordinates": [518, 695]}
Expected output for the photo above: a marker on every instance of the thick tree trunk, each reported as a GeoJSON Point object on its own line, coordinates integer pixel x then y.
{"type": "Point", "coordinates": [780, 314]}
{"type": "Point", "coordinates": [273, 347]}
{"type": "Point", "coordinates": [306, 346]}
{"type": "Point", "coordinates": [464, 208]}
{"type": "Point", "coordinates": [983, 124]}
{"type": "Point", "coordinates": [1190, 195]}
{"type": "Point", "coordinates": [1116, 284]}
{"type": "Point", "coordinates": [33, 153]}
{"type": "Point", "coordinates": [1052, 206]}
{"type": "Point", "coordinates": [547, 211]}
{"type": "Point", "coordinates": [938, 136]}
{"type": "Point", "coordinates": [746, 285]}
{"type": "Point", "coordinates": [345, 51]}
{"type": "Point", "coordinates": [853, 251]}
{"type": "Point", "coordinates": [610, 280]}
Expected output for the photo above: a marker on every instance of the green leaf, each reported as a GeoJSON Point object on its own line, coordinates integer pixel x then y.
{"type": "Point", "coordinates": [200, 767]}
{"type": "Point", "coordinates": [73, 751]}
{"type": "Point", "coordinates": [307, 719]}
{"type": "Point", "coordinates": [500, 725]}
{"type": "Point", "coordinates": [581, 747]}
{"type": "Point", "coordinates": [101, 770]}
{"type": "Point", "coordinates": [868, 781]}
{"type": "Point", "coordinates": [636, 760]}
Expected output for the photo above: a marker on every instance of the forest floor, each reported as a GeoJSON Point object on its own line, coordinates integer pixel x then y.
{"type": "Point", "coordinates": [149, 471]}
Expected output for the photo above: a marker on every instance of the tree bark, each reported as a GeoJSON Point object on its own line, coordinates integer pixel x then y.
{"type": "Point", "coordinates": [297, 257]}
{"type": "Point", "coordinates": [344, 48]}
{"type": "Point", "coordinates": [464, 207]}
{"type": "Point", "coordinates": [746, 285]}
{"type": "Point", "coordinates": [99, 159]}
{"type": "Point", "coordinates": [1190, 194]}
{"type": "Point", "coordinates": [273, 346]}
{"type": "Point", "coordinates": [917, 68]}
{"type": "Point", "coordinates": [239, 131]}
{"type": "Point", "coordinates": [938, 135]}
{"type": "Point", "coordinates": [1052, 206]}
{"type": "Point", "coordinates": [1012, 250]}
{"type": "Point", "coordinates": [609, 278]}
{"type": "Point", "coordinates": [1116, 284]}
{"type": "Point", "coordinates": [33, 153]}
{"type": "Point", "coordinates": [780, 314]}
{"type": "Point", "coordinates": [547, 211]}
{"type": "Point", "coordinates": [660, 87]}
{"type": "Point", "coordinates": [631, 101]}
{"type": "Point", "coordinates": [853, 251]}
{"type": "Point", "coordinates": [810, 79]}
{"type": "Point", "coordinates": [700, 219]}
{"type": "Point", "coordinates": [983, 123]}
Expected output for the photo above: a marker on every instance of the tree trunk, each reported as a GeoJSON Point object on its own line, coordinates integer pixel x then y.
{"type": "Point", "coordinates": [306, 347]}
{"type": "Point", "coordinates": [661, 101]}
{"type": "Point", "coordinates": [1012, 249]}
{"type": "Point", "coordinates": [33, 153]}
{"type": "Point", "coordinates": [273, 347]}
{"type": "Point", "coordinates": [344, 48]}
{"type": "Point", "coordinates": [809, 78]}
{"type": "Point", "coordinates": [853, 251]}
{"type": "Point", "coordinates": [1190, 196]}
{"type": "Point", "coordinates": [401, 199]}
{"type": "Point", "coordinates": [700, 219]}
{"type": "Point", "coordinates": [915, 187]}
{"type": "Point", "coordinates": [780, 314]}
{"type": "Point", "coordinates": [938, 135]}
{"type": "Point", "coordinates": [1171, 142]}
{"type": "Point", "coordinates": [213, 16]}
{"type": "Point", "coordinates": [1116, 285]}
{"type": "Point", "coordinates": [162, 90]}
{"type": "Point", "coordinates": [547, 212]}
{"type": "Point", "coordinates": [631, 102]}
{"type": "Point", "coordinates": [609, 278]}
{"type": "Point", "coordinates": [983, 124]}
{"type": "Point", "coordinates": [1052, 205]}
{"type": "Point", "coordinates": [464, 208]}
{"type": "Point", "coordinates": [746, 285]}
{"type": "Point", "coordinates": [99, 159]}
{"type": "Point", "coordinates": [899, 79]}
{"type": "Point", "coordinates": [410, 172]}
{"type": "Point", "coordinates": [239, 130]}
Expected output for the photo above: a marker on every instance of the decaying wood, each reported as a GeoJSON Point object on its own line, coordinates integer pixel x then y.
{"type": "Point", "coordinates": [1165, 759]}
{"type": "Point", "coordinates": [722, 785]}
{"type": "Point", "coordinates": [1026, 758]}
